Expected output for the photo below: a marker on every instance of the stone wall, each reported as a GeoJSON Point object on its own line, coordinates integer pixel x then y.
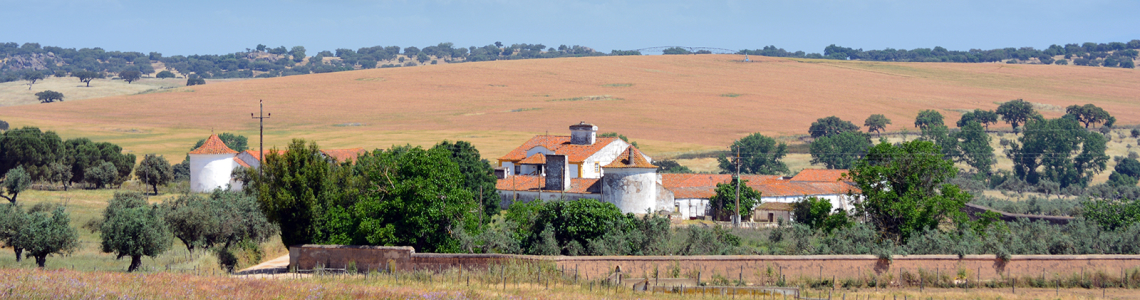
{"type": "Point", "coordinates": [753, 268]}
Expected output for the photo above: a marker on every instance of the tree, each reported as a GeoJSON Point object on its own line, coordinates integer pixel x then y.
{"type": "Point", "coordinates": [975, 147]}
{"type": "Point", "coordinates": [928, 118]}
{"type": "Point", "coordinates": [15, 181]}
{"type": "Point", "coordinates": [1088, 114]}
{"type": "Point", "coordinates": [45, 235]}
{"type": "Point", "coordinates": [1016, 112]}
{"type": "Point", "coordinates": [1066, 153]}
{"type": "Point", "coordinates": [81, 154]}
{"type": "Point", "coordinates": [876, 123]}
{"type": "Point", "coordinates": [195, 81]}
{"type": "Point", "coordinates": [133, 228]}
{"type": "Point", "coordinates": [236, 142]}
{"type": "Point", "coordinates": [12, 221]}
{"type": "Point", "coordinates": [298, 53]}
{"type": "Point", "coordinates": [948, 142]}
{"type": "Point", "coordinates": [759, 154]}
{"type": "Point", "coordinates": [984, 117]}
{"type": "Point", "coordinates": [32, 77]}
{"type": "Point", "coordinates": [31, 148]}
{"type": "Point", "coordinates": [411, 52]}
{"type": "Point", "coordinates": [49, 96]}
{"type": "Point", "coordinates": [291, 191]}
{"type": "Point", "coordinates": [421, 183]}
{"type": "Point", "coordinates": [221, 220]}
{"type": "Point", "coordinates": [839, 151]}
{"type": "Point", "coordinates": [154, 170]}
{"type": "Point", "coordinates": [479, 176]}
{"type": "Point", "coordinates": [87, 76]}
{"type": "Point", "coordinates": [671, 166]}
{"type": "Point", "coordinates": [1126, 173]}
{"type": "Point", "coordinates": [830, 126]}
{"type": "Point", "coordinates": [130, 75]}
{"type": "Point", "coordinates": [816, 213]}
{"type": "Point", "coordinates": [580, 221]}
{"type": "Point", "coordinates": [164, 74]}
{"type": "Point", "coordinates": [905, 189]}
{"type": "Point", "coordinates": [724, 202]}
{"type": "Point", "coordinates": [101, 175]}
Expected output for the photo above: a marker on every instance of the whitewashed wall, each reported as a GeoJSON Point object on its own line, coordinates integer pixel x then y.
{"type": "Point", "coordinates": [633, 190]}
{"type": "Point", "coordinates": [210, 171]}
{"type": "Point", "coordinates": [601, 158]}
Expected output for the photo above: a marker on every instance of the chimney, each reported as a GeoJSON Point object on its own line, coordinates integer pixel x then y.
{"type": "Point", "coordinates": [630, 155]}
{"type": "Point", "coordinates": [583, 134]}
{"type": "Point", "coordinates": [557, 175]}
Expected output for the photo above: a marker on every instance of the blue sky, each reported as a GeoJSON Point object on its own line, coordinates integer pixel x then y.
{"type": "Point", "coordinates": [218, 27]}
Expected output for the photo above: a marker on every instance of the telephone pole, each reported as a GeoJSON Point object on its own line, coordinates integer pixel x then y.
{"type": "Point", "coordinates": [736, 220]}
{"type": "Point", "coordinates": [261, 135]}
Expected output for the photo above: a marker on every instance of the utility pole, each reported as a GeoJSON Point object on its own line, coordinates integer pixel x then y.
{"type": "Point", "coordinates": [261, 135]}
{"type": "Point", "coordinates": [736, 221]}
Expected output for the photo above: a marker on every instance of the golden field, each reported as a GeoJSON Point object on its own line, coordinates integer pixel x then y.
{"type": "Point", "coordinates": [668, 104]}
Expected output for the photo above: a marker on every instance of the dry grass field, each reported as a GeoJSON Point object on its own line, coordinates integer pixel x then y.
{"type": "Point", "coordinates": [669, 104]}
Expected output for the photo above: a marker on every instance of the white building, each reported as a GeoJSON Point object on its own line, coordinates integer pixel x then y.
{"type": "Point", "coordinates": [581, 166]}
{"type": "Point", "coordinates": [211, 166]}
{"type": "Point", "coordinates": [585, 151]}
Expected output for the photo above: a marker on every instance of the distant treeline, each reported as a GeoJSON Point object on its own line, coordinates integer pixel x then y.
{"type": "Point", "coordinates": [1115, 54]}
{"type": "Point", "coordinates": [263, 61]}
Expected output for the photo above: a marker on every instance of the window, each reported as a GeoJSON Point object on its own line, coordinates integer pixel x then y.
{"type": "Point", "coordinates": [598, 168]}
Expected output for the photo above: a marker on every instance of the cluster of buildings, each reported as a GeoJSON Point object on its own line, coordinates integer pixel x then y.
{"type": "Point", "coordinates": [585, 166]}
{"type": "Point", "coordinates": [581, 166]}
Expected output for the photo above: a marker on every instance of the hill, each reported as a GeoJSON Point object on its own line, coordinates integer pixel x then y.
{"type": "Point", "coordinates": [669, 104]}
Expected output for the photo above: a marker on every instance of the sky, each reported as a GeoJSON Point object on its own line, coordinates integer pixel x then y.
{"type": "Point", "coordinates": [220, 27]}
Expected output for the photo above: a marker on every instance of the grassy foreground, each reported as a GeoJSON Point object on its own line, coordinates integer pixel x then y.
{"type": "Point", "coordinates": [71, 284]}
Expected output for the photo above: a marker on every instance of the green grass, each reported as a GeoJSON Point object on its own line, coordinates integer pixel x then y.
{"type": "Point", "coordinates": [618, 85]}
{"type": "Point", "coordinates": [730, 95]}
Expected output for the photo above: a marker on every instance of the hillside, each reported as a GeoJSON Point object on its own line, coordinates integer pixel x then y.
{"type": "Point", "coordinates": [669, 104]}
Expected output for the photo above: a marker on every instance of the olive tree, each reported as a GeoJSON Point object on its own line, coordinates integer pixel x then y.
{"type": "Point", "coordinates": [15, 181]}
{"type": "Point", "coordinates": [45, 235]}
{"type": "Point", "coordinates": [132, 228]}
{"type": "Point", "coordinates": [839, 151]}
{"type": "Point", "coordinates": [12, 220]}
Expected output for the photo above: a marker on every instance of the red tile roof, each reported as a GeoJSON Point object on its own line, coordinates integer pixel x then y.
{"type": "Point", "coordinates": [623, 160]}
{"type": "Point", "coordinates": [704, 185]}
{"type": "Point", "coordinates": [342, 155]}
{"type": "Point", "coordinates": [536, 159]}
{"type": "Point", "coordinates": [213, 145]}
{"type": "Point", "coordinates": [820, 175]}
{"type": "Point", "coordinates": [561, 146]}
{"type": "Point", "coordinates": [240, 162]}
{"type": "Point", "coordinates": [536, 183]}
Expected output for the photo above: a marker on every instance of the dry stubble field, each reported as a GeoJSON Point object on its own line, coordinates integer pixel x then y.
{"type": "Point", "coordinates": [669, 104]}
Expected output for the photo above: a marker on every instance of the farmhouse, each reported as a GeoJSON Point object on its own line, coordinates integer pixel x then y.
{"type": "Point", "coordinates": [212, 165]}
{"type": "Point", "coordinates": [582, 166]}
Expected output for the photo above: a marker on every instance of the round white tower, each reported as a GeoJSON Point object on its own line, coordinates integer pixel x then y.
{"type": "Point", "coordinates": [211, 166]}
{"type": "Point", "coordinates": [630, 183]}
